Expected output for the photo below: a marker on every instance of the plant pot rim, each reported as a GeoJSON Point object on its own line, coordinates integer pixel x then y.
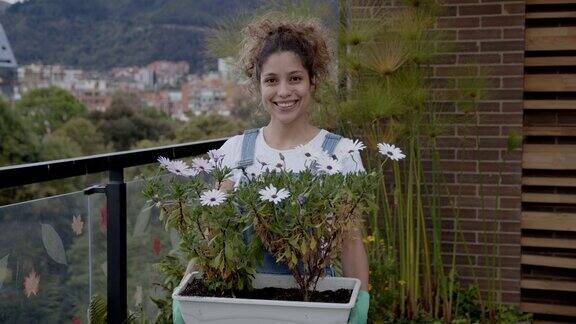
{"type": "Point", "coordinates": [353, 282]}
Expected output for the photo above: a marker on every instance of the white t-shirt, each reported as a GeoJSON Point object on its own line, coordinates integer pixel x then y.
{"type": "Point", "coordinates": [294, 159]}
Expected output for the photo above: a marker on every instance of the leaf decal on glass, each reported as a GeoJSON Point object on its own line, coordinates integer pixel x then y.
{"type": "Point", "coordinates": [174, 238]}
{"type": "Point", "coordinates": [142, 221]}
{"type": "Point", "coordinates": [31, 284]}
{"type": "Point", "coordinates": [104, 267]}
{"type": "Point", "coordinates": [156, 247]}
{"type": "Point", "coordinates": [3, 269]}
{"type": "Point", "coordinates": [77, 224]}
{"type": "Point", "coordinates": [53, 244]}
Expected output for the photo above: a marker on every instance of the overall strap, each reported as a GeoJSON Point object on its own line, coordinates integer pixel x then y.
{"type": "Point", "coordinates": [248, 148]}
{"type": "Point", "coordinates": [328, 146]}
{"type": "Point", "coordinates": [330, 142]}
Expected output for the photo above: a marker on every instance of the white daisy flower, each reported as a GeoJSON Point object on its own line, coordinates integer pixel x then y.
{"type": "Point", "coordinates": [274, 195]}
{"type": "Point", "coordinates": [253, 173]}
{"type": "Point", "coordinates": [309, 154]}
{"type": "Point", "coordinates": [322, 155]}
{"type": "Point", "coordinates": [202, 165]}
{"type": "Point", "coordinates": [164, 162]}
{"type": "Point", "coordinates": [391, 151]}
{"type": "Point", "coordinates": [190, 172]}
{"type": "Point", "coordinates": [328, 165]}
{"type": "Point", "coordinates": [278, 166]}
{"type": "Point", "coordinates": [179, 167]}
{"type": "Point", "coordinates": [215, 156]}
{"type": "Point", "coordinates": [212, 197]}
{"type": "Point", "coordinates": [264, 165]}
{"type": "Point", "coordinates": [351, 147]}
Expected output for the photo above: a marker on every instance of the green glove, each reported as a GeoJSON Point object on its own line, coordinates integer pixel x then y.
{"type": "Point", "coordinates": [176, 314]}
{"type": "Point", "coordinates": [359, 314]}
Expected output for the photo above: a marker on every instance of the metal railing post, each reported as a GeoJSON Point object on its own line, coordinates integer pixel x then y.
{"type": "Point", "coordinates": [116, 247]}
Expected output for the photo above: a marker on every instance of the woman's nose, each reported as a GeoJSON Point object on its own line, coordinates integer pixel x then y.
{"type": "Point", "coordinates": [284, 89]}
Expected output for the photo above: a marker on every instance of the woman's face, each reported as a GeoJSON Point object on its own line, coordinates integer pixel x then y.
{"type": "Point", "coordinates": [286, 88]}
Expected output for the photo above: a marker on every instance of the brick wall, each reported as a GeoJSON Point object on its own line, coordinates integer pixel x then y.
{"type": "Point", "coordinates": [487, 35]}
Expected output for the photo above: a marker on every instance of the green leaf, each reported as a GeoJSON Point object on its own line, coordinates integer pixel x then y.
{"type": "Point", "coordinates": [53, 244]}
{"type": "Point", "coordinates": [3, 269]}
{"type": "Point", "coordinates": [142, 221]}
{"type": "Point", "coordinates": [229, 252]}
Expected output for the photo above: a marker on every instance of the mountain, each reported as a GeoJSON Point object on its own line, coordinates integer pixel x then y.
{"type": "Point", "coordinates": [100, 34]}
{"type": "Point", "coordinates": [4, 5]}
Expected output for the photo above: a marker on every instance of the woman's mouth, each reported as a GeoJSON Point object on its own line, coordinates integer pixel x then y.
{"type": "Point", "coordinates": [285, 105]}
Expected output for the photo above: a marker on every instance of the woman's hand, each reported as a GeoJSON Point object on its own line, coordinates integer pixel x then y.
{"type": "Point", "coordinates": [227, 185]}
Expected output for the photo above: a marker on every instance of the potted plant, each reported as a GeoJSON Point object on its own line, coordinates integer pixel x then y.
{"type": "Point", "coordinates": [299, 218]}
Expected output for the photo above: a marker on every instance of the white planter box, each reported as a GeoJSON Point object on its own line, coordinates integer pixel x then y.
{"type": "Point", "coordinates": [216, 310]}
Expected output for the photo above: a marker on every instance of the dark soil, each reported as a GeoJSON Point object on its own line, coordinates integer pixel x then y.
{"type": "Point", "coordinates": [340, 296]}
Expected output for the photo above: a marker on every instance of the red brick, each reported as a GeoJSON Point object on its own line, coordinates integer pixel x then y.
{"type": "Point", "coordinates": [466, 34]}
{"type": "Point", "coordinates": [448, 11]}
{"type": "Point", "coordinates": [456, 70]}
{"type": "Point", "coordinates": [463, 190]}
{"type": "Point", "coordinates": [444, 59]}
{"type": "Point", "coordinates": [507, 262]}
{"type": "Point", "coordinates": [511, 203]}
{"type": "Point", "coordinates": [479, 58]}
{"type": "Point", "coordinates": [510, 297]}
{"type": "Point", "coordinates": [478, 155]}
{"type": "Point", "coordinates": [489, 178]}
{"type": "Point", "coordinates": [513, 57]}
{"type": "Point", "coordinates": [514, 33]}
{"type": "Point", "coordinates": [502, 46]}
{"type": "Point", "coordinates": [479, 10]}
{"type": "Point", "coordinates": [500, 166]}
{"type": "Point", "coordinates": [502, 21]}
{"type": "Point", "coordinates": [465, 166]}
{"type": "Point", "coordinates": [453, 142]}
{"type": "Point", "coordinates": [458, 47]}
{"type": "Point", "coordinates": [489, 107]}
{"type": "Point", "coordinates": [477, 130]}
{"type": "Point", "coordinates": [512, 107]}
{"type": "Point", "coordinates": [501, 119]}
{"type": "Point", "coordinates": [504, 94]}
{"type": "Point", "coordinates": [515, 69]}
{"type": "Point", "coordinates": [504, 191]}
{"type": "Point", "coordinates": [458, 22]}
{"type": "Point", "coordinates": [515, 82]}
{"type": "Point", "coordinates": [493, 142]}
{"type": "Point", "coordinates": [514, 8]}
{"type": "Point", "coordinates": [458, 1]}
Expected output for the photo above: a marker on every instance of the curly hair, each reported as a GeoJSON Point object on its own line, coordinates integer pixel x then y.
{"type": "Point", "coordinates": [273, 33]}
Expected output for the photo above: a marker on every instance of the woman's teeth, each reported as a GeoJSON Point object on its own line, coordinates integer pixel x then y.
{"type": "Point", "coordinates": [286, 104]}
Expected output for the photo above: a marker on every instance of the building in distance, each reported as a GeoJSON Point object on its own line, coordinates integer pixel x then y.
{"type": "Point", "coordinates": [8, 68]}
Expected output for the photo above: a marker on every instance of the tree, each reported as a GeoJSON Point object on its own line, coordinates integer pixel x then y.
{"type": "Point", "coordinates": [18, 144]}
{"type": "Point", "coordinates": [124, 123]}
{"type": "Point", "coordinates": [209, 127]}
{"type": "Point", "coordinates": [47, 109]}
{"type": "Point", "coordinates": [81, 131]}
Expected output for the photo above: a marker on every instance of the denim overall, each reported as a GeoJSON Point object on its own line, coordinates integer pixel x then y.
{"type": "Point", "coordinates": [269, 264]}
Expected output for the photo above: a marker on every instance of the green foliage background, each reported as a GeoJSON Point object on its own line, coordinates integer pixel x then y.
{"type": "Point", "coordinates": [100, 34]}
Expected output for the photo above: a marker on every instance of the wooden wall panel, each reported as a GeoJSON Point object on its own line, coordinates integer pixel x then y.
{"type": "Point", "coordinates": [548, 240]}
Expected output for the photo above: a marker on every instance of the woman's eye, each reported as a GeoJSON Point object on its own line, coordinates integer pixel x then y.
{"type": "Point", "coordinates": [269, 81]}
{"type": "Point", "coordinates": [295, 78]}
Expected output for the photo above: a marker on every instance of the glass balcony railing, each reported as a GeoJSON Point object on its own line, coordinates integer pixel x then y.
{"type": "Point", "coordinates": [57, 252]}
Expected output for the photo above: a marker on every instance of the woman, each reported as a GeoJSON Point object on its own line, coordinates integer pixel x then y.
{"type": "Point", "coordinates": [285, 61]}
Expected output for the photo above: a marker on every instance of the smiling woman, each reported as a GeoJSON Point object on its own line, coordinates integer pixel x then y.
{"type": "Point", "coordinates": [285, 60]}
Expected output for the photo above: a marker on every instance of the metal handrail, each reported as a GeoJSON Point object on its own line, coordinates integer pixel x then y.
{"type": "Point", "coordinates": [23, 174]}
{"type": "Point", "coordinates": [115, 190]}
